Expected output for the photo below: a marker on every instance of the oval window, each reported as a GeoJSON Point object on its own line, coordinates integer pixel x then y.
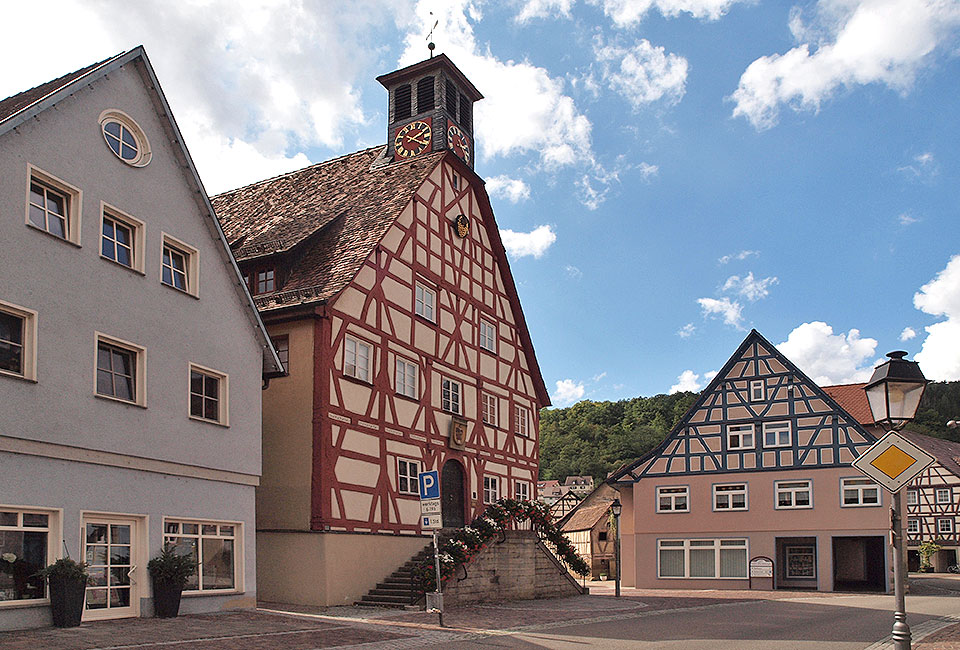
{"type": "Point", "coordinates": [125, 138]}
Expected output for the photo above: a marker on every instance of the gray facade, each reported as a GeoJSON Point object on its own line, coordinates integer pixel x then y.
{"type": "Point", "coordinates": [112, 475]}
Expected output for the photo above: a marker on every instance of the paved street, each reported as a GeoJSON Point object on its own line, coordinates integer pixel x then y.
{"type": "Point", "coordinates": [688, 620]}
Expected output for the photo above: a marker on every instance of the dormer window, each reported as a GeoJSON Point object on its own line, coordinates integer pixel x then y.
{"type": "Point", "coordinates": [425, 99]}
{"type": "Point", "coordinates": [401, 102]}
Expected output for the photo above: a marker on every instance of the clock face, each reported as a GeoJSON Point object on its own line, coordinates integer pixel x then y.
{"type": "Point", "coordinates": [458, 142]}
{"type": "Point", "coordinates": [413, 139]}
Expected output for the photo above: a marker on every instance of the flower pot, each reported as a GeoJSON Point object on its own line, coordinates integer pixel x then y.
{"type": "Point", "coordinates": [66, 600]}
{"type": "Point", "coordinates": [166, 599]}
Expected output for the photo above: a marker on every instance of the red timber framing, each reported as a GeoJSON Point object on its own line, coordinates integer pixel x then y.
{"type": "Point", "coordinates": [929, 510]}
{"type": "Point", "coordinates": [362, 427]}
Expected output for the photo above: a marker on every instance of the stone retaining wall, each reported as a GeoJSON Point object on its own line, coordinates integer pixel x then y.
{"type": "Point", "coordinates": [521, 568]}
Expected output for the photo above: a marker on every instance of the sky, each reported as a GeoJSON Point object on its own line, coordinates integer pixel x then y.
{"type": "Point", "coordinates": [666, 174]}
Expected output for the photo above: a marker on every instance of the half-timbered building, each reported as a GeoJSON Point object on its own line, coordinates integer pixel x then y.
{"type": "Point", "coordinates": [753, 487]}
{"type": "Point", "coordinates": [590, 528]}
{"type": "Point", "coordinates": [383, 280]}
{"type": "Point", "coordinates": [933, 498]}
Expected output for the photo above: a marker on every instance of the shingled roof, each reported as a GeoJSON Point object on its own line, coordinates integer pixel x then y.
{"type": "Point", "coordinates": [853, 399]}
{"type": "Point", "coordinates": [343, 206]}
{"type": "Point", "coordinates": [592, 509]}
{"type": "Point", "coordinates": [16, 103]}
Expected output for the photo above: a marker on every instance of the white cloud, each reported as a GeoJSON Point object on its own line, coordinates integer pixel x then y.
{"type": "Point", "coordinates": [567, 392]}
{"type": "Point", "coordinates": [643, 73]}
{"type": "Point", "coordinates": [544, 9]}
{"type": "Point", "coordinates": [749, 287]}
{"type": "Point", "coordinates": [512, 189]}
{"type": "Point", "coordinates": [647, 170]}
{"type": "Point", "coordinates": [924, 166]}
{"type": "Point", "coordinates": [742, 255]}
{"type": "Point", "coordinates": [686, 331]}
{"type": "Point", "coordinates": [522, 244]}
{"type": "Point", "coordinates": [246, 101]}
{"type": "Point", "coordinates": [908, 333]}
{"type": "Point", "coordinates": [524, 109]}
{"type": "Point", "coordinates": [573, 271]}
{"type": "Point", "coordinates": [856, 42]}
{"type": "Point", "coordinates": [829, 358]}
{"type": "Point", "coordinates": [906, 219]}
{"type": "Point", "coordinates": [627, 13]}
{"type": "Point", "coordinates": [687, 381]}
{"type": "Point", "coordinates": [730, 311]}
{"type": "Point", "coordinates": [597, 378]}
{"type": "Point", "coordinates": [940, 355]}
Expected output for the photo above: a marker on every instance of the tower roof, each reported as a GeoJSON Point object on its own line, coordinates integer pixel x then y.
{"type": "Point", "coordinates": [417, 69]}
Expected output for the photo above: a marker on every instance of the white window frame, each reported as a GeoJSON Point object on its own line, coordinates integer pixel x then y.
{"type": "Point", "coordinates": [730, 490]}
{"type": "Point", "coordinates": [944, 530]}
{"type": "Point", "coordinates": [488, 336]}
{"type": "Point", "coordinates": [800, 549]}
{"type": "Point", "coordinates": [491, 488]}
{"type": "Point", "coordinates": [54, 530]}
{"type": "Point", "coordinates": [792, 488]}
{"type": "Point", "coordinates": [490, 409]}
{"type": "Point", "coordinates": [352, 358]}
{"type": "Point", "coordinates": [521, 490]}
{"type": "Point", "coordinates": [913, 497]}
{"type": "Point", "coordinates": [281, 342]}
{"type": "Point", "coordinates": [859, 486]}
{"type": "Point", "coordinates": [758, 390]}
{"type": "Point", "coordinates": [223, 397]}
{"type": "Point", "coordinates": [192, 259]}
{"type": "Point", "coordinates": [451, 401]}
{"type": "Point", "coordinates": [144, 153]}
{"type": "Point", "coordinates": [28, 333]}
{"type": "Point", "coordinates": [946, 492]}
{"type": "Point", "coordinates": [139, 367]}
{"type": "Point", "coordinates": [137, 236]}
{"type": "Point", "coordinates": [672, 493]}
{"type": "Point", "coordinates": [717, 545]}
{"type": "Point", "coordinates": [521, 418]}
{"type": "Point", "coordinates": [425, 302]}
{"type": "Point", "coordinates": [73, 204]}
{"type": "Point", "coordinates": [913, 526]}
{"type": "Point", "coordinates": [777, 429]}
{"type": "Point", "coordinates": [739, 432]}
{"type": "Point", "coordinates": [238, 548]}
{"type": "Point", "coordinates": [412, 476]}
{"type": "Point", "coordinates": [406, 378]}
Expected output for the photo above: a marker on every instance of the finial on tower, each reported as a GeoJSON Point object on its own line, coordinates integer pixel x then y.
{"type": "Point", "coordinates": [430, 44]}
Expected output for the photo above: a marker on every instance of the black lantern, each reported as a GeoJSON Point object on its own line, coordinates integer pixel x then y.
{"type": "Point", "coordinates": [894, 391]}
{"type": "Point", "coordinates": [616, 508]}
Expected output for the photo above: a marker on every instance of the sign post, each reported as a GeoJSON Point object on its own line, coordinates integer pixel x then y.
{"type": "Point", "coordinates": [893, 461]}
{"type": "Point", "coordinates": [431, 518]}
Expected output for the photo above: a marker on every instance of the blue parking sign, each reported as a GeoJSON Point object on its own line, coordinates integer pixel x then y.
{"type": "Point", "coordinates": [430, 484]}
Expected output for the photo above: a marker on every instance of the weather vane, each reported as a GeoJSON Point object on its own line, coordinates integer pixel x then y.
{"type": "Point", "coordinates": [430, 44]}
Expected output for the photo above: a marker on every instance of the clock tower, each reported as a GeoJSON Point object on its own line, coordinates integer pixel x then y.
{"type": "Point", "coordinates": [431, 108]}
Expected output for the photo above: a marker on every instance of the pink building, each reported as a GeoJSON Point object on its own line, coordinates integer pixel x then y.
{"type": "Point", "coordinates": [754, 488]}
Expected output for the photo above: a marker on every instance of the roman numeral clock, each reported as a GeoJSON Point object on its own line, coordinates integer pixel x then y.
{"type": "Point", "coordinates": [414, 138]}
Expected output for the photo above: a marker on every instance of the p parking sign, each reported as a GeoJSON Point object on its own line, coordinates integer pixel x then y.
{"type": "Point", "coordinates": [429, 485]}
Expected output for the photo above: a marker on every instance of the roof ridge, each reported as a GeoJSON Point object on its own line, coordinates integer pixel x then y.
{"type": "Point", "coordinates": [297, 171]}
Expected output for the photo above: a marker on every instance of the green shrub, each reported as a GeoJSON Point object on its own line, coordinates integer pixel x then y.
{"type": "Point", "coordinates": [170, 567]}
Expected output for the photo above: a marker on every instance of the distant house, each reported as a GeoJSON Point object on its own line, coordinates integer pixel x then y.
{"type": "Point", "coordinates": [933, 498]}
{"type": "Point", "coordinates": [589, 527]}
{"type": "Point", "coordinates": [550, 491]}
{"type": "Point", "coordinates": [562, 506]}
{"type": "Point", "coordinates": [756, 479]}
{"type": "Point", "coordinates": [579, 485]}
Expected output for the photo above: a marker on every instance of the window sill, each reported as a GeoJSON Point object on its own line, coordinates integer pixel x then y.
{"type": "Point", "coordinates": [124, 266]}
{"type": "Point", "coordinates": [225, 425]}
{"type": "Point", "coordinates": [793, 507]}
{"type": "Point", "coordinates": [673, 512]}
{"type": "Point", "coordinates": [426, 320]}
{"type": "Point", "coordinates": [119, 401]}
{"type": "Point", "coordinates": [731, 510]}
{"type": "Point", "coordinates": [356, 380]}
{"type": "Point", "coordinates": [13, 375]}
{"type": "Point", "coordinates": [453, 413]}
{"type": "Point", "coordinates": [19, 604]}
{"type": "Point", "coordinates": [50, 234]}
{"type": "Point", "coordinates": [415, 400]}
{"type": "Point", "coordinates": [211, 592]}
{"type": "Point", "coordinates": [173, 288]}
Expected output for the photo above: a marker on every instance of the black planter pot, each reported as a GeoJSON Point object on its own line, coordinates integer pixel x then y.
{"type": "Point", "coordinates": [66, 600]}
{"type": "Point", "coordinates": [166, 599]}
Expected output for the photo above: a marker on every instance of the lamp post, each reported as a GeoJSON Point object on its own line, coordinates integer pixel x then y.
{"type": "Point", "coordinates": [894, 393]}
{"type": "Point", "coordinates": [616, 508]}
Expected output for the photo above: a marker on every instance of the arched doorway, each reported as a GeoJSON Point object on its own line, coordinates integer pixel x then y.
{"type": "Point", "coordinates": [451, 494]}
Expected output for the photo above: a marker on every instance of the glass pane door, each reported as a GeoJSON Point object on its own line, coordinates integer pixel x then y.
{"type": "Point", "coordinates": [109, 552]}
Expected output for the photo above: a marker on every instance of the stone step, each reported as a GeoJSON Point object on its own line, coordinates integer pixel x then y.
{"type": "Point", "coordinates": [382, 598]}
{"type": "Point", "coordinates": [391, 591]}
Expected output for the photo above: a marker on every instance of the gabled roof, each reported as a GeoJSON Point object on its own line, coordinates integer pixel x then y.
{"type": "Point", "coordinates": [853, 399]}
{"type": "Point", "coordinates": [331, 216]}
{"type": "Point", "coordinates": [624, 473]}
{"type": "Point", "coordinates": [591, 510]}
{"type": "Point", "coordinates": [17, 109]}
{"type": "Point", "coordinates": [946, 452]}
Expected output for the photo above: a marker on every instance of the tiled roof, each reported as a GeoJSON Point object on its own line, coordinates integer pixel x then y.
{"type": "Point", "coordinates": [853, 399]}
{"type": "Point", "coordinates": [592, 509]}
{"type": "Point", "coordinates": [16, 103]}
{"type": "Point", "coordinates": [946, 452]}
{"type": "Point", "coordinates": [343, 207]}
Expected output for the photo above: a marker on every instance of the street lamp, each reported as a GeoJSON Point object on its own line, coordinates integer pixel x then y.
{"type": "Point", "coordinates": [616, 508]}
{"type": "Point", "coordinates": [894, 393]}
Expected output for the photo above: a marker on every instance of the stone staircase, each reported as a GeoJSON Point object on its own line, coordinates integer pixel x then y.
{"type": "Point", "coordinates": [398, 590]}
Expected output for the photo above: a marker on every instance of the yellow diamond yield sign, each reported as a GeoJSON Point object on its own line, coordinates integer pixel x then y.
{"type": "Point", "coordinates": [893, 461]}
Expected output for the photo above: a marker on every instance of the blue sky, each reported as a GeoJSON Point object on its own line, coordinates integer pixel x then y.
{"type": "Point", "coordinates": [667, 174]}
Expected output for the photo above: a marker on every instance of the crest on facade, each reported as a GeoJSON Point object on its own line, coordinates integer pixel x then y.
{"type": "Point", "coordinates": [458, 433]}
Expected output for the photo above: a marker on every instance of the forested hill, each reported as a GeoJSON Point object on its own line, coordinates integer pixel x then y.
{"type": "Point", "coordinates": [594, 438]}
